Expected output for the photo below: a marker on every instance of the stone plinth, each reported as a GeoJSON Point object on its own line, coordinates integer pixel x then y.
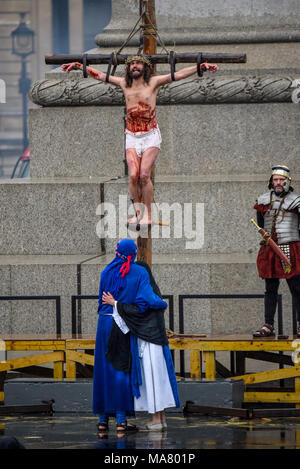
{"type": "Point", "coordinates": [77, 142]}
{"type": "Point", "coordinates": [49, 218]}
{"type": "Point", "coordinates": [204, 215]}
{"type": "Point", "coordinates": [218, 393]}
{"type": "Point", "coordinates": [174, 14]}
{"type": "Point", "coordinates": [177, 274]}
{"type": "Point", "coordinates": [197, 139]}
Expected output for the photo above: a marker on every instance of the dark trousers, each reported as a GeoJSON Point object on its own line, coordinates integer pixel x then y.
{"type": "Point", "coordinates": [272, 285]}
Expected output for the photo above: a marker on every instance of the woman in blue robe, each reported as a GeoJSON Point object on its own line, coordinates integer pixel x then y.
{"type": "Point", "coordinates": [129, 283]}
{"type": "Point", "coordinates": [146, 353]}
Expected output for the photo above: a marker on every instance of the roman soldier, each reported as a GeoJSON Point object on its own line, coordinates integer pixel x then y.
{"type": "Point", "coordinates": [278, 212]}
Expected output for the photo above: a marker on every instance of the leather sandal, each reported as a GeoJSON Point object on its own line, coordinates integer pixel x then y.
{"type": "Point", "coordinates": [125, 428]}
{"type": "Point", "coordinates": [266, 331]}
{"type": "Point", "coordinates": [102, 427]}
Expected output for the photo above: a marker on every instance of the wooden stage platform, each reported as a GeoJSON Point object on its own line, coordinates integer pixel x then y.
{"type": "Point", "coordinates": [65, 351]}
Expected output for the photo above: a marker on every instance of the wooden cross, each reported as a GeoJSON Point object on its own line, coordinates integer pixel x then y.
{"type": "Point", "coordinates": [147, 11]}
{"type": "Point", "coordinates": [144, 244]}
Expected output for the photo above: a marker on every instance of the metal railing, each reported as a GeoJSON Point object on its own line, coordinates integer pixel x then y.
{"type": "Point", "coordinates": [181, 299]}
{"type": "Point", "coordinates": [77, 318]}
{"type": "Point", "coordinates": [76, 322]}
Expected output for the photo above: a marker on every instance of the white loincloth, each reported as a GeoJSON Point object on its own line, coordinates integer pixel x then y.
{"type": "Point", "coordinates": [141, 141]}
{"type": "Point", "coordinates": [156, 391]}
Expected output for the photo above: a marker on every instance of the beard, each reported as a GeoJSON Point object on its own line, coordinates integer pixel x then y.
{"type": "Point", "coordinates": [278, 190]}
{"type": "Point", "coordinates": [134, 75]}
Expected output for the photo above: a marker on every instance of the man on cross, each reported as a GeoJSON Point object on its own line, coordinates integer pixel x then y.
{"type": "Point", "coordinates": [143, 137]}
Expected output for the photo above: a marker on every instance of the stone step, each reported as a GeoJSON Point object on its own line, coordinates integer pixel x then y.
{"type": "Point", "coordinates": [77, 396]}
{"type": "Point", "coordinates": [208, 214]}
{"type": "Point", "coordinates": [203, 214]}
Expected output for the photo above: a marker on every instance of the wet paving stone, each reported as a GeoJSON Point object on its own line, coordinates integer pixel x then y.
{"type": "Point", "coordinates": [75, 431]}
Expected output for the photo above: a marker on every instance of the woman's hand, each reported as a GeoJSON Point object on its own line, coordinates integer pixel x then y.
{"type": "Point", "coordinates": [108, 299]}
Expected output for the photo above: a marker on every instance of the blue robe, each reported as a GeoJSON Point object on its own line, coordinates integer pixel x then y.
{"type": "Point", "coordinates": [112, 389]}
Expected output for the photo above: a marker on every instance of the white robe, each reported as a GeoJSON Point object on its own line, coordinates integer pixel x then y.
{"type": "Point", "coordinates": [156, 391]}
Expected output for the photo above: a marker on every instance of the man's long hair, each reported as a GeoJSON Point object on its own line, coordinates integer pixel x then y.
{"type": "Point", "coordinates": [146, 75]}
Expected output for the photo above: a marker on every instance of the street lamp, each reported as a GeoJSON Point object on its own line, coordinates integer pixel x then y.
{"type": "Point", "coordinates": [23, 45]}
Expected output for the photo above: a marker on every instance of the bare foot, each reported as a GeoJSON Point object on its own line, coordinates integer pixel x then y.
{"type": "Point", "coordinates": [145, 220]}
{"type": "Point", "coordinates": [133, 221]}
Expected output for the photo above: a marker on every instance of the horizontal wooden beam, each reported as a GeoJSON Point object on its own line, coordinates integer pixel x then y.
{"type": "Point", "coordinates": [291, 398]}
{"type": "Point", "coordinates": [230, 345]}
{"type": "Point", "coordinates": [31, 360]}
{"type": "Point", "coordinates": [271, 375]}
{"type": "Point", "coordinates": [80, 357]}
{"type": "Point", "coordinates": [97, 59]}
{"type": "Point", "coordinates": [260, 413]}
{"type": "Point", "coordinates": [80, 344]}
{"type": "Point", "coordinates": [22, 345]}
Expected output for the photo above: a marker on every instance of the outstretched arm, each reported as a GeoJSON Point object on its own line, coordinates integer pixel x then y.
{"type": "Point", "coordinates": [97, 74]}
{"type": "Point", "coordinates": [184, 73]}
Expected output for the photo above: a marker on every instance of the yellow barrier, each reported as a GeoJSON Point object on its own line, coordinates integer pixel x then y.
{"type": "Point", "coordinates": [64, 352]}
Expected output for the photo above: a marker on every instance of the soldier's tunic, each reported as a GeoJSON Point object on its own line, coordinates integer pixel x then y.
{"type": "Point", "coordinates": [281, 220]}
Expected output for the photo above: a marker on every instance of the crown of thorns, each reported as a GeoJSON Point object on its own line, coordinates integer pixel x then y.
{"type": "Point", "coordinates": [137, 58]}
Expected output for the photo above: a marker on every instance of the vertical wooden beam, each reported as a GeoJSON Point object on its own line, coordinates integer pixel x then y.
{"type": "Point", "coordinates": [196, 368]}
{"type": "Point", "coordinates": [58, 370]}
{"type": "Point", "coordinates": [144, 245]}
{"type": "Point", "coordinates": [210, 368]}
{"type": "Point", "coordinates": [149, 47]}
{"type": "Point", "coordinates": [70, 367]}
{"type": "Point", "coordinates": [149, 33]}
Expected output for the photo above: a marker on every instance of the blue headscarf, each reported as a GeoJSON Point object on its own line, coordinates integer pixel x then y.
{"type": "Point", "coordinates": [126, 251]}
